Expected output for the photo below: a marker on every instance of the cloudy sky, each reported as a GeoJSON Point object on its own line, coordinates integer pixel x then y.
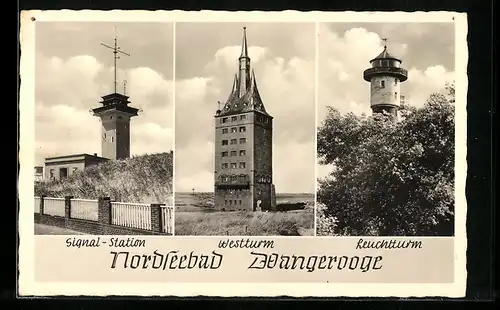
{"type": "Point", "coordinates": [345, 49]}
{"type": "Point", "coordinates": [73, 71]}
{"type": "Point", "coordinates": [283, 56]}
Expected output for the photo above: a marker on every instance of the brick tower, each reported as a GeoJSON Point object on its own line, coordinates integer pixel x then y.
{"type": "Point", "coordinates": [243, 145]}
{"type": "Point", "coordinates": [385, 77]}
{"type": "Point", "coordinates": [115, 115]}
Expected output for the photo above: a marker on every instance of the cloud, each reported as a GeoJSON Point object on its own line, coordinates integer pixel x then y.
{"type": "Point", "coordinates": [344, 56]}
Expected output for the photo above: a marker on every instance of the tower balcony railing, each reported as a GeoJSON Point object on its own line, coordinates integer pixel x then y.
{"type": "Point", "coordinates": [401, 73]}
{"type": "Point", "coordinates": [232, 183]}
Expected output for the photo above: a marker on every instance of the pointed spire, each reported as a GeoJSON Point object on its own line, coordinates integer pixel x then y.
{"type": "Point", "coordinates": [234, 89]}
{"type": "Point", "coordinates": [244, 45]}
{"type": "Point", "coordinates": [253, 81]}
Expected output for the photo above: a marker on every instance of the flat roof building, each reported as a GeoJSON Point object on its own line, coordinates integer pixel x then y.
{"type": "Point", "coordinates": [61, 167]}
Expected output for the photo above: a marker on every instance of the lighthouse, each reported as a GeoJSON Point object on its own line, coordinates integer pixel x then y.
{"type": "Point", "coordinates": [385, 77]}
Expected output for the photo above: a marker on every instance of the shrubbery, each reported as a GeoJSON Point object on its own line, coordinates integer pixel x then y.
{"type": "Point", "coordinates": [140, 179]}
{"type": "Point", "coordinates": [389, 178]}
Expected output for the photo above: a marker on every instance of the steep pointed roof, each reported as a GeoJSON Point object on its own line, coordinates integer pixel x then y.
{"type": "Point", "coordinates": [250, 101]}
{"type": "Point", "coordinates": [247, 100]}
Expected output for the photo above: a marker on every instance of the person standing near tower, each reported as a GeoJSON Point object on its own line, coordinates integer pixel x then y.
{"type": "Point", "coordinates": [385, 77]}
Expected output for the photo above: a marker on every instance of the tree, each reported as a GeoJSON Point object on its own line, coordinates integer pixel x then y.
{"type": "Point", "coordinates": [390, 178]}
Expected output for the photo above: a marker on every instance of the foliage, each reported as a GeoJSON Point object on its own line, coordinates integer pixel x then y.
{"type": "Point", "coordinates": [389, 177]}
{"type": "Point", "coordinates": [140, 179]}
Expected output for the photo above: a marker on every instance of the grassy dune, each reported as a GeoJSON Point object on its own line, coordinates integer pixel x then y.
{"type": "Point", "coordinates": [245, 223]}
{"type": "Point", "coordinates": [140, 179]}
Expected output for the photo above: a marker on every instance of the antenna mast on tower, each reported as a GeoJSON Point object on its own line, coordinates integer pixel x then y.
{"type": "Point", "coordinates": [115, 50]}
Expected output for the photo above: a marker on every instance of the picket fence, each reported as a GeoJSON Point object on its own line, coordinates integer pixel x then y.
{"type": "Point", "coordinates": [84, 209]}
{"type": "Point", "coordinates": [132, 215]}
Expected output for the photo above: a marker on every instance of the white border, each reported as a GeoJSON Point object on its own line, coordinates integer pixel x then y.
{"type": "Point", "coordinates": [27, 285]}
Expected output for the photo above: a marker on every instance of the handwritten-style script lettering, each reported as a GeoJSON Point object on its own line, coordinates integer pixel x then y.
{"type": "Point", "coordinates": [171, 260]}
{"type": "Point", "coordinates": [311, 263]}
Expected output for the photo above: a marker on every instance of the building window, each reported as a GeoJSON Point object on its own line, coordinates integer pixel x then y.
{"type": "Point", "coordinates": [382, 84]}
{"type": "Point", "coordinates": [243, 117]}
{"type": "Point", "coordinates": [234, 118]}
{"type": "Point", "coordinates": [395, 95]}
{"type": "Point", "coordinates": [224, 154]}
{"type": "Point", "coordinates": [224, 130]}
{"type": "Point", "coordinates": [63, 173]}
{"type": "Point", "coordinates": [242, 153]}
{"type": "Point", "coordinates": [395, 82]}
{"type": "Point", "coordinates": [224, 142]}
{"type": "Point", "coordinates": [51, 173]}
{"type": "Point", "coordinates": [234, 141]}
{"type": "Point", "coordinates": [104, 135]}
{"type": "Point", "coordinates": [243, 129]}
{"type": "Point", "coordinates": [112, 139]}
{"type": "Point", "coordinates": [243, 140]}
{"type": "Point", "coordinates": [224, 166]}
{"type": "Point", "coordinates": [233, 165]}
{"type": "Point", "coordinates": [233, 153]}
{"type": "Point", "coordinates": [111, 117]}
{"type": "Point", "coordinates": [225, 202]}
{"type": "Point", "coordinates": [240, 202]}
{"type": "Point", "coordinates": [75, 169]}
{"type": "Point", "coordinates": [224, 120]}
{"type": "Point", "coordinates": [242, 165]}
{"type": "Point", "coordinates": [234, 129]}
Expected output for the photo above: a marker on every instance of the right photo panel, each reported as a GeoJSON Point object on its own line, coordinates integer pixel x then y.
{"type": "Point", "coordinates": [386, 129]}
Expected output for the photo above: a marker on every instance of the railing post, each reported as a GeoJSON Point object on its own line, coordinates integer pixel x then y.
{"type": "Point", "coordinates": [67, 206]}
{"type": "Point", "coordinates": [104, 210]}
{"type": "Point", "coordinates": [156, 217]}
{"type": "Point", "coordinates": [42, 204]}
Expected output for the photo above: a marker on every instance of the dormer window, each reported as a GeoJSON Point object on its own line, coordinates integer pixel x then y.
{"type": "Point", "coordinates": [382, 84]}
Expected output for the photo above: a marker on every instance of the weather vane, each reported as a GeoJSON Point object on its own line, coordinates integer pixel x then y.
{"type": "Point", "coordinates": [385, 42]}
{"type": "Point", "coordinates": [115, 50]}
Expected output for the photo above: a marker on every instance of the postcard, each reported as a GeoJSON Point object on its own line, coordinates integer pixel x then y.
{"type": "Point", "coordinates": [253, 154]}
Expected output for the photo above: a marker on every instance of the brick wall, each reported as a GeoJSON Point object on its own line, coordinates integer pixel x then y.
{"type": "Point", "coordinates": [103, 226]}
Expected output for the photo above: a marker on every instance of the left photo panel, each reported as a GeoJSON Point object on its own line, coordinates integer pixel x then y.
{"type": "Point", "coordinates": [104, 128]}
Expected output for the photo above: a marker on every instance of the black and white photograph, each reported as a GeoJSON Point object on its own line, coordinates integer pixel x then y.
{"type": "Point", "coordinates": [104, 128]}
{"type": "Point", "coordinates": [386, 129]}
{"type": "Point", "coordinates": [245, 111]}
